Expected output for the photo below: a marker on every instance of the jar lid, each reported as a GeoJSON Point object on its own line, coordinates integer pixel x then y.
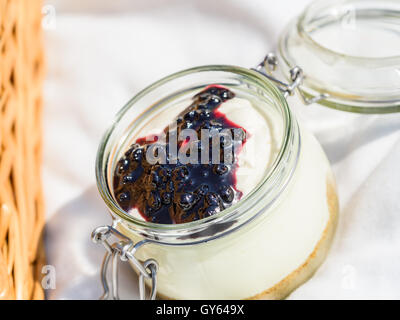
{"type": "Point", "coordinates": [349, 51]}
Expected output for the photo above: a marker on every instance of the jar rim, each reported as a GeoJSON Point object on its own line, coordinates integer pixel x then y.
{"type": "Point", "coordinates": [172, 230]}
{"type": "Point", "coordinates": [302, 20]}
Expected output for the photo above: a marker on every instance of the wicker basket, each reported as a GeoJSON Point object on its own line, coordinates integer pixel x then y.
{"type": "Point", "coordinates": [21, 204]}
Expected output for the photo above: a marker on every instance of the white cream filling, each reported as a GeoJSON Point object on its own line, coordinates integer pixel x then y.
{"type": "Point", "coordinates": [262, 253]}
{"type": "Point", "coordinates": [258, 255]}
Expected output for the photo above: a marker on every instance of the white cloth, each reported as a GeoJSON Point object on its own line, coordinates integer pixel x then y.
{"type": "Point", "coordinates": [101, 53]}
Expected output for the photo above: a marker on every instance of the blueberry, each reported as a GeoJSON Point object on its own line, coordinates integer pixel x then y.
{"type": "Point", "coordinates": [202, 106]}
{"type": "Point", "coordinates": [170, 186]}
{"type": "Point", "coordinates": [187, 200]}
{"type": "Point", "coordinates": [127, 179]}
{"type": "Point", "coordinates": [220, 169]}
{"type": "Point", "coordinates": [213, 90]}
{"type": "Point", "coordinates": [227, 194]}
{"type": "Point", "coordinates": [226, 94]}
{"type": "Point", "coordinates": [187, 125]}
{"type": "Point", "coordinates": [154, 201]}
{"type": "Point", "coordinates": [165, 174]}
{"type": "Point", "coordinates": [124, 197]}
{"type": "Point", "coordinates": [190, 116]}
{"type": "Point", "coordinates": [203, 189]}
{"type": "Point", "coordinates": [124, 165]}
{"type": "Point", "coordinates": [137, 154]}
{"type": "Point", "coordinates": [212, 199]}
{"type": "Point", "coordinates": [166, 198]}
{"type": "Point", "coordinates": [204, 114]}
{"type": "Point", "coordinates": [211, 210]}
{"type": "Point", "coordinates": [155, 178]}
{"type": "Point", "coordinates": [181, 172]}
{"type": "Point", "coordinates": [213, 102]}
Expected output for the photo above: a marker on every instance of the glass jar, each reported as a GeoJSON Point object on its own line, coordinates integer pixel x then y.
{"type": "Point", "coordinates": [265, 245]}
{"type": "Point", "coordinates": [341, 54]}
{"type": "Point", "coordinates": [349, 52]}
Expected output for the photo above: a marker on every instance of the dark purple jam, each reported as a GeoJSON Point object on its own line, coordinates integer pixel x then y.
{"type": "Point", "coordinates": [171, 192]}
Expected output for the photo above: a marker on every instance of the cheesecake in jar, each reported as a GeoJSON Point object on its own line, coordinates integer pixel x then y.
{"type": "Point", "coordinates": [236, 199]}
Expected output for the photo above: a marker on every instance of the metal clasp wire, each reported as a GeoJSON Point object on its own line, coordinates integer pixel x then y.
{"type": "Point", "coordinates": [270, 64]}
{"type": "Point", "coordinates": [124, 249]}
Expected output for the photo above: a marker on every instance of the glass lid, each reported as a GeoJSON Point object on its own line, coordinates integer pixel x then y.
{"type": "Point", "coordinates": [349, 50]}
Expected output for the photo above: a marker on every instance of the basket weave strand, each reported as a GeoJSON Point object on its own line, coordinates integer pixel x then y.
{"type": "Point", "coordinates": [21, 198]}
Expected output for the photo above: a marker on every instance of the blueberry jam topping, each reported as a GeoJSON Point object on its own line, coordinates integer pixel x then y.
{"type": "Point", "coordinates": [171, 192]}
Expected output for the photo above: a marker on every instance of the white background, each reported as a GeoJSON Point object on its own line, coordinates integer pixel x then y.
{"type": "Point", "coordinates": [100, 53]}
